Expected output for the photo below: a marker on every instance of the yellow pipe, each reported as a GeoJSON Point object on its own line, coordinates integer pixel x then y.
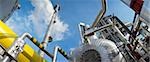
{"type": "Point", "coordinates": [7, 37]}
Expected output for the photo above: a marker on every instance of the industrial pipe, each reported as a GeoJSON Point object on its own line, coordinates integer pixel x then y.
{"type": "Point", "coordinates": [7, 39]}
{"type": "Point", "coordinates": [111, 48]}
{"type": "Point", "coordinates": [58, 49]}
{"type": "Point", "coordinates": [48, 31]}
{"type": "Point", "coordinates": [36, 43]}
{"type": "Point", "coordinates": [106, 51]}
{"type": "Point", "coordinates": [101, 13]}
{"type": "Point", "coordinates": [3, 52]}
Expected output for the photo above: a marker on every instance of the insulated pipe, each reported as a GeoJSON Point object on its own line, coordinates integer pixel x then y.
{"type": "Point", "coordinates": [106, 49]}
{"type": "Point", "coordinates": [101, 13]}
{"type": "Point", "coordinates": [111, 48]}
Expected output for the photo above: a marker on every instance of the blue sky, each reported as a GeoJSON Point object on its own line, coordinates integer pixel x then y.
{"type": "Point", "coordinates": [33, 19]}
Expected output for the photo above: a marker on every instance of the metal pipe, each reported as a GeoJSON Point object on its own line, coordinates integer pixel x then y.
{"type": "Point", "coordinates": [58, 49]}
{"type": "Point", "coordinates": [15, 49]}
{"type": "Point", "coordinates": [124, 26]}
{"type": "Point", "coordinates": [101, 13]}
{"type": "Point", "coordinates": [97, 29]}
{"type": "Point", "coordinates": [28, 54]}
{"type": "Point", "coordinates": [36, 43]}
{"type": "Point", "coordinates": [2, 49]}
{"type": "Point", "coordinates": [81, 34]}
{"type": "Point", "coordinates": [48, 32]}
{"type": "Point", "coordinates": [80, 27]}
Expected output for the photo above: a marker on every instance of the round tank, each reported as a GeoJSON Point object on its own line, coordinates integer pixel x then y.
{"type": "Point", "coordinates": [7, 7]}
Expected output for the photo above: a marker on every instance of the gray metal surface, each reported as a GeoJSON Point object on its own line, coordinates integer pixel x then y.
{"type": "Point", "coordinates": [7, 7]}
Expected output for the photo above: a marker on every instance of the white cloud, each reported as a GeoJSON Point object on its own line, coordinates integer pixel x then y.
{"type": "Point", "coordinates": [59, 32]}
{"type": "Point", "coordinates": [19, 24]}
{"type": "Point", "coordinates": [38, 20]}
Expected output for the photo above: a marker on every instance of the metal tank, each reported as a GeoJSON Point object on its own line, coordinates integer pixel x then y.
{"type": "Point", "coordinates": [7, 7]}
